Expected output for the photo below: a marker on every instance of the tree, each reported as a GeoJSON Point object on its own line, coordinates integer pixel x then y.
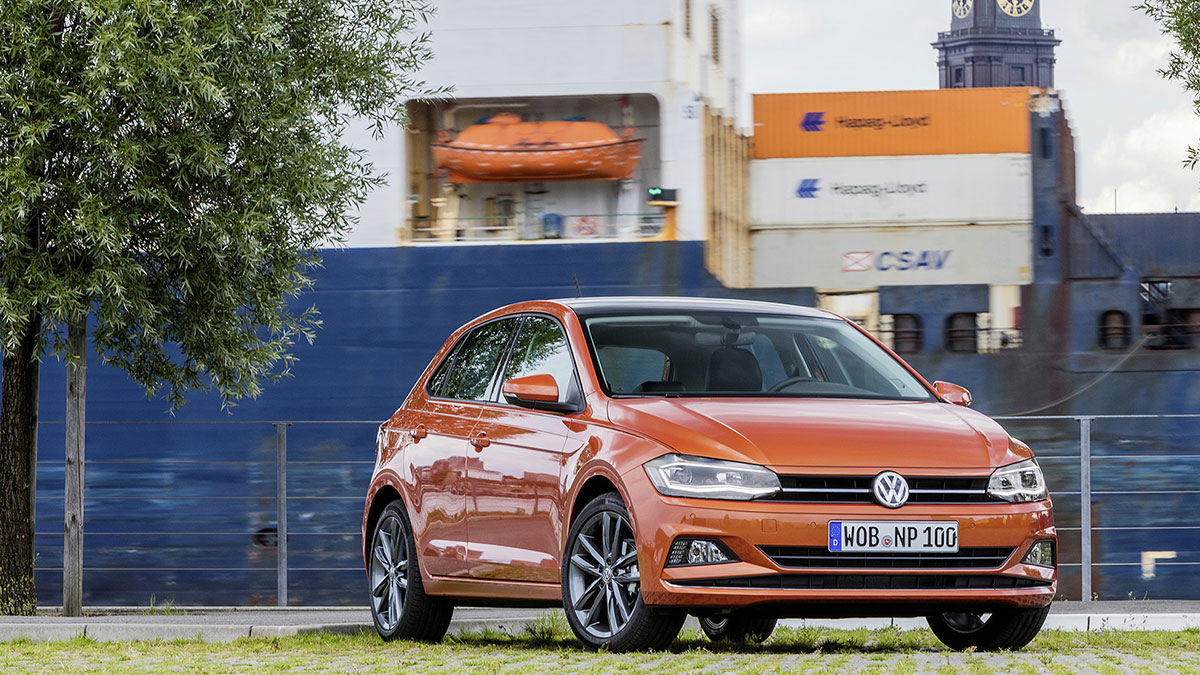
{"type": "Point", "coordinates": [1180, 19]}
{"type": "Point", "coordinates": [170, 167]}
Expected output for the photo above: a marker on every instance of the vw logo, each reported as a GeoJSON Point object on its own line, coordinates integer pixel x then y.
{"type": "Point", "coordinates": [890, 489]}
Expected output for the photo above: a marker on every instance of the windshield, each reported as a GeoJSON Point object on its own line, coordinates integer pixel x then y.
{"type": "Point", "coordinates": [743, 354]}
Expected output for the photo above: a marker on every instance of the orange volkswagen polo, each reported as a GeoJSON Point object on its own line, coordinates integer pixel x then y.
{"type": "Point", "coordinates": [641, 459]}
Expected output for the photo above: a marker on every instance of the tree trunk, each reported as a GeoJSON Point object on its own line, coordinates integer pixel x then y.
{"type": "Point", "coordinates": [18, 438]}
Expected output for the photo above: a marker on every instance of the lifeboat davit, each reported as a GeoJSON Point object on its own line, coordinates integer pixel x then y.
{"type": "Point", "coordinates": [503, 149]}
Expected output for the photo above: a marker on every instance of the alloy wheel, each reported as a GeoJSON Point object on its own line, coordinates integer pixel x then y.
{"type": "Point", "coordinates": [714, 625]}
{"type": "Point", "coordinates": [389, 571]}
{"type": "Point", "coordinates": [965, 622]}
{"type": "Point", "coordinates": [603, 581]}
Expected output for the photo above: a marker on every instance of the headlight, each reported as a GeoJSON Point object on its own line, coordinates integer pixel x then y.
{"type": "Point", "coordinates": [1020, 482]}
{"type": "Point", "coordinates": [687, 476]}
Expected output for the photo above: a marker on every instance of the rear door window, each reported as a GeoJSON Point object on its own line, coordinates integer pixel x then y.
{"type": "Point", "coordinates": [472, 374]}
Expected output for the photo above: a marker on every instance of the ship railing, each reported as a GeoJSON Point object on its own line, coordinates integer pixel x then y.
{"type": "Point", "coordinates": [1172, 335]}
{"type": "Point", "coordinates": [246, 500]}
{"type": "Point", "coordinates": [959, 340]}
{"type": "Point", "coordinates": [581, 227]}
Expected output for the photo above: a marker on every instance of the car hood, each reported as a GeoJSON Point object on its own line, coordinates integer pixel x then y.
{"type": "Point", "coordinates": [823, 433]}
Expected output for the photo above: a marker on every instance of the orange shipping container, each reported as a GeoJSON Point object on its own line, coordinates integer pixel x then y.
{"type": "Point", "coordinates": [867, 124]}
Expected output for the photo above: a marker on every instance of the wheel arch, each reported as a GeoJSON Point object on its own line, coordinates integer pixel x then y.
{"type": "Point", "coordinates": [593, 486]}
{"type": "Point", "coordinates": [386, 494]}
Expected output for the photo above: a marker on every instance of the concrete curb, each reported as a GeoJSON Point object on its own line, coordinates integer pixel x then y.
{"type": "Point", "coordinates": [210, 632]}
{"type": "Point", "coordinates": [139, 632]}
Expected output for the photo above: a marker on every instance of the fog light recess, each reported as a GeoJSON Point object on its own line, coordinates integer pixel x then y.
{"type": "Point", "coordinates": [687, 552]}
{"type": "Point", "coordinates": [1041, 553]}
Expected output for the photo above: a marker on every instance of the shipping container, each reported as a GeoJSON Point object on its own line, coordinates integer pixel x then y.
{"type": "Point", "coordinates": [920, 189]}
{"type": "Point", "coordinates": [854, 258]}
{"type": "Point", "coordinates": [864, 124]}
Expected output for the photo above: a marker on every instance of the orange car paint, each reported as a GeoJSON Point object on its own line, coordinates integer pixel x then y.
{"type": "Point", "coordinates": [491, 488]}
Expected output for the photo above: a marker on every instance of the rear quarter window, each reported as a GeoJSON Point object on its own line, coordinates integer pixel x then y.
{"type": "Point", "coordinates": [437, 382]}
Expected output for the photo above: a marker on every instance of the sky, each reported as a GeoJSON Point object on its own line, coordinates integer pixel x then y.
{"type": "Point", "coordinates": [1132, 127]}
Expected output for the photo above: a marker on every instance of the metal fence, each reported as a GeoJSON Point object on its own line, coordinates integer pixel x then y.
{"type": "Point", "coordinates": [1162, 452]}
{"type": "Point", "coordinates": [234, 476]}
{"type": "Point", "coordinates": [226, 486]}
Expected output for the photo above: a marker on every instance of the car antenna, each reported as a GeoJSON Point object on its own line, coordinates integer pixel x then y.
{"type": "Point", "coordinates": [578, 290]}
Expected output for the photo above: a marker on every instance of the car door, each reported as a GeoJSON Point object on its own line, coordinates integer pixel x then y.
{"type": "Point", "coordinates": [515, 465]}
{"type": "Point", "coordinates": [441, 429]}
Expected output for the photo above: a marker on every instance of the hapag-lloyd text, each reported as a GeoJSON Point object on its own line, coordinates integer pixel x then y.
{"type": "Point", "coordinates": [881, 123]}
{"type": "Point", "coordinates": [878, 189]}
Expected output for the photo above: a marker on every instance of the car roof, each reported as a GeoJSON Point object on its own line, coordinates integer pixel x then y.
{"type": "Point", "coordinates": [585, 307]}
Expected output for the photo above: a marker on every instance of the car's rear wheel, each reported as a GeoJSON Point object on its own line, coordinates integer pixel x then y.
{"type": "Point", "coordinates": [741, 627]}
{"type": "Point", "coordinates": [399, 605]}
{"type": "Point", "coordinates": [1001, 629]}
{"type": "Point", "coordinates": [602, 583]}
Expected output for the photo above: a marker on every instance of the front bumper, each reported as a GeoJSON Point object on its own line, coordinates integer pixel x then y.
{"type": "Point", "coordinates": [756, 579]}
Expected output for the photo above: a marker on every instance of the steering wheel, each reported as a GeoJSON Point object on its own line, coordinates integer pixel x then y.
{"type": "Point", "coordinates": [788, 382]}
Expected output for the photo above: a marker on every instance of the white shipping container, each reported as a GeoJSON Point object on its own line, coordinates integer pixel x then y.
{"type": "Point", "coordinates": [852, 258]}
{"type": "Point", "coordinates": [900, 190]}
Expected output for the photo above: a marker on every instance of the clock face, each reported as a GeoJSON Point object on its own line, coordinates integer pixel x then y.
{"type": "Point", "coordinates": [962, 8]}
{"type": "Point", "coordinates": [1015, 7]}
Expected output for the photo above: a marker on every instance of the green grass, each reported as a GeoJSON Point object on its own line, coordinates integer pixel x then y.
{"type": "Point", "coordinates": [548, 648]}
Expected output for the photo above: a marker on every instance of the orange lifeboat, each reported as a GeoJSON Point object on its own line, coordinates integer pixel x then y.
{"type": "Point", "coordinates": [503, 149]}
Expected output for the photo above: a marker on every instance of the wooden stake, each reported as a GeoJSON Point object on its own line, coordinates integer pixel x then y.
{"type": "Point", "coordinates": [73, 510]}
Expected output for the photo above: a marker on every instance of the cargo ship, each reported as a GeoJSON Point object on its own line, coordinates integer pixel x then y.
{"type": "Point", "coordinates": [945, 221]}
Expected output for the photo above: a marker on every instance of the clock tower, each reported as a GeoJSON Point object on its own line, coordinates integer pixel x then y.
{"type": "Point", "coordinates": [996, 43]}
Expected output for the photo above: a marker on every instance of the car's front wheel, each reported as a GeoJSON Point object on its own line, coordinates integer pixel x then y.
{"type": "Point", "coordinates": [601, 583]}
{"type": "Point", "coordinates": [399, 605]}
{"type": "Point", "coordinates": [743, 627]}
{"type": "Point", "coordinates": [1001, 629]}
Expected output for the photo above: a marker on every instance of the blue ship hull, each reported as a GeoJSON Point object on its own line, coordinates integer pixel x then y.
{"type": "Point", "coordinates": [180, 509]}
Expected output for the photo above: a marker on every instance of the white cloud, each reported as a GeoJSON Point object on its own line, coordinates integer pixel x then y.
{"type": "Point", "coordinates": [1139, 195]}
{"type": "Point", "coordinates": [1135, 59]}
{"type": "Point", "coordinates": [1145, 165]}
{"type": "Point", "coordinates": [1159, 141]}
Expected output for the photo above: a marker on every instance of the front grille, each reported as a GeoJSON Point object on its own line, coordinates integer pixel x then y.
{"type": "Point", "coordinates": [893, 582]}
{"type": "Point", "coordinates": [857, 489]}
{"type": "Point", "coordinates": [818, 557]}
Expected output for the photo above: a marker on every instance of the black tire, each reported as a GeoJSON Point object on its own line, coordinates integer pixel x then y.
{"type": "Point", "coordinates": [1005, 629]}
{"type": "Point", "coordinates": [420, 616]}
{"type": "Point", "coordinates": [616, 619]}
{"type": "Point", "coordinates": [741, 627]}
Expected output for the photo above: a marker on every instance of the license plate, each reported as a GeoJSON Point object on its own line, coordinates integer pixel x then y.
{"type": "Point", "coordinates": [892, 536]}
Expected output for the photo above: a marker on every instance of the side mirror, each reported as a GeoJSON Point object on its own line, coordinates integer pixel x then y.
{"type": "Point", "coordinates": [531, 389]}
{"type": "Point", "coordinates": [537, 392]}
{"type": "Point", "coordinates": [952, 393]}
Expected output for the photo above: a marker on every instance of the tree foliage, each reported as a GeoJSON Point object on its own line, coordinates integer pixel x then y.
{"type": "Point", "coordinates": [172, 165]}
{"type": "Point", "coordinates": [1180, 19]}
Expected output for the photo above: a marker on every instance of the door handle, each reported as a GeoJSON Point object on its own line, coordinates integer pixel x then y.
{"type": "Point", "coordinates": [480, 441]}
{"type": "Point", "coordinates": [418, 433]}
